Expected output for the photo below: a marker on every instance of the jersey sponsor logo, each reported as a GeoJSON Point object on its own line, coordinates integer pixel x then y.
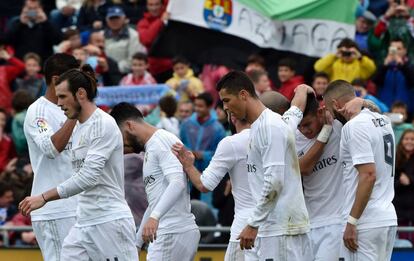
{"type": "Point", "coordinates": [68, 146]}
{"type": "Point", "coordinates": [380, 122]}
{"type": "Point", "coordinates": [42, 125]}
{"type": "Point", "coordinates": [149, 180]}
{"type": "Point", "coordinates": [325, 163]}
{"type": "Point", "coordinates": [251, 168]}
{"type": "Point", "coordinates": [78, 164]}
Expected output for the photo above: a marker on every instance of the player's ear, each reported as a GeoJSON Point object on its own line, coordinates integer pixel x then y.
{"type": "Point", "coordinates": [335, 104]}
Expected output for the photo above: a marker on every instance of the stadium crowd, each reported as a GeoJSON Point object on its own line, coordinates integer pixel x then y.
{"type": "Point", "coordinates": [115, 37]}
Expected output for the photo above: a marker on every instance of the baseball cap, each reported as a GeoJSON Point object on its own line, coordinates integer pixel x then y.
{"type": "Point", "coordinates": [114, 11]}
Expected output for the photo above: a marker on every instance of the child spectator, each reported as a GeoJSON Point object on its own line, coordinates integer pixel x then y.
{"type": "Point", "coordinates": [347, 64]}
{"type": "Point", "coordinates": [20, 102]}
{"type": "Point", "coordinates": [139, 74]}
{"type": "Point", "coordinates": [6, 143]}
{"type": "Point", "coordinates": [32, 81]}
{"type": "Point", "coordinates": [7, 209]}
{"type": "Point", "coordinates": [185, 110]}
{"type": "Point", "coordinates": [399, 125]}
{"type": "Point", "coordinates": [168, 122]}
{"type": "Point", "coordinates": [288, 78]}
{"type": "Point", "coordinates": [71, 41]}
{"type": "Point", "coordinates": [260, 80]}
{"type": "Point", "coordinates": [255, 62]}
{"type": "Point", "coordinates": [361, 91]}
{"type": "Point", "coordinates": [319, 84]}
{"type": "Point", "coordinates": [183, 81]}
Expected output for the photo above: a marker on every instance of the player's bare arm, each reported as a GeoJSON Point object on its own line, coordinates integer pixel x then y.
{"type": "Point", "coordinates": [61, 138]}
{"type": "Point", "coordinates": [35, 202]}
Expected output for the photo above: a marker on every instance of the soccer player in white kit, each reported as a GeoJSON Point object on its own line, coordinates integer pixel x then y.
{"type": "Point", "coordinates": [104, 228]}
{"type": "Point", "coordinates": [168, 224]}
{"type": "Point", "coordinates": [48, 133]}
{"type": "Point", "coordinates": [280, 219]}
{"type": "Point", "coordinates": [229, 157]}
{"type": "Point", "coordinates": [367, 153]}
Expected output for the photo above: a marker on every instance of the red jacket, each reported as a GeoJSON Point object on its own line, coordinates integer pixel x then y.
{"type": "Point", "coordinates": [148, 29]}
{"type": "Point", "coordinates": [7, 150]}
{"type": "Point", "coordinates": [288, 88]}
{"type": "Point", "coordinates": [8, 73]}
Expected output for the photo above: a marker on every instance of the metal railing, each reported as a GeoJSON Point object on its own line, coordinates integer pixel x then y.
{"type": "Point", "coordinates": [4, 231]}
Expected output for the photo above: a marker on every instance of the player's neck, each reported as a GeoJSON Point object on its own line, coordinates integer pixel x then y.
{"type": "Point", "coordinates": [254, 109]}
{"type": "Point", "coordinates": [145, 131]}
{"type": "Point", "coordinates": [50, 94]}
{"type": "Point", "coordinates": [88, 108]}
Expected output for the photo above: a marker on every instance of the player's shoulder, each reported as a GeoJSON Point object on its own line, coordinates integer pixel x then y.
{"type": "Point", "coordinates": [163, 140]}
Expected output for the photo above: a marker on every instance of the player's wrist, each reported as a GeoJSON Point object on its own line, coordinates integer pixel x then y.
{"type": "Point", "coordinates": [155, 215]}
{"type": "Point", "coordinates": [325, 133]}
{"type": "Point", "coordinates": [44, 198]}
{"type": "Point", "coordinates": [353, 221]}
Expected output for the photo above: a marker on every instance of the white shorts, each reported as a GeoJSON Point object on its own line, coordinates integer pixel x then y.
{"type": "Point", "coordinates": [114, 241]}
{"type": "Point", "coordinates": [174, 247]}
{"type": "Point", "coordinates": [374, 244]}
{"type": "Point", "coordinates": [326, 242]}
{"type": "Point", "coordinates": [284, 248]}
{"type": "Point", "coordinates": [234, 253]}
{"type": "Point", "coordinates": [50, 235]}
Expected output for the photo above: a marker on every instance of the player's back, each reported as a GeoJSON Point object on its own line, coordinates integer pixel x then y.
{"type": "Point", "coordinates": [369, 138]}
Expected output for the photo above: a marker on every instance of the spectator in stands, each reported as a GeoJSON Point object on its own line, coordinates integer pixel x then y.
{"type": "Point", "coordinates": [183, 81]}
{"type": "Point", "coordinates": [347, 64]}
{"type": "Point", "coordinates": [6, 143]}
{"type": "Point", "coordinates": [32, 81]}
{"type": "Point", "coordinates": [364, 25]}
{"type": "Point", "coordinates": [361, 91]}
{"type": "Point", "coordinates": [201, 134]}
{"type": "Point", "coordinates": [7, 209]}
{"type": "Point", "coordinates": [10, 68]}
{"type": "Point", "coordinates": [20, 102]}
{"type": "Point", "coordinates": [134, 9]}
{"type": "Point", "coordinates": [33, 32]}
{"type": "Point", "coordinates": [210, 75]}
{"type": "Point", "coordinates": [255, 62]}
{"type": "Point", "coordinates": [23, 238]}
{"type": "Point", "coordinates": [107, 70]}
{"type": "Point", "coordinates": [395, 23]}
{"type": "Point", "coordinates": [399, 124]}
{"type": "Point", "coordinates": [260, 80]}
{"type": "Point", "coordinates": [149, 28]}
{"type": "Point", "coordinates": [65, 14]}
{"type": "Point", "coordinates": [288, 79]}
{"type": "Point", "coordinates": [395, 76]}
{"type": "Point", "coordinates": [319, 84]}
{"type": "Point", "coordinates": [92, 15]}
{"type": "Point", "coordinates": [168, 121]}
{"type": "Point", "coordinates": [139, 74]}
{"type": "Point", "coordinates": [20, 177]}
{"type": "Point", "coordinates": [404, 180]}
{"type": "Point", "coordinates": [222, 117]}
{"type": "Point", "coordinates": [184, 111]}
{"type": "Point", "coordinates": [121, 41]}
{"type": "Point", "coordinates": [71, 40]}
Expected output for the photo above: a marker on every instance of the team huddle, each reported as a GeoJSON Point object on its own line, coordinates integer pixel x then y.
{"type": "Point", "coordinates": [309, 182]}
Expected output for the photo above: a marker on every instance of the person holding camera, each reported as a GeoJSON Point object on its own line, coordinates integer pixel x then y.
{"type": "Point", "coordinates": [33, 32]}
{"type": "Point", "coordinates": [347, 64]}
{"type": "Point", "coordinates": [395, 77]}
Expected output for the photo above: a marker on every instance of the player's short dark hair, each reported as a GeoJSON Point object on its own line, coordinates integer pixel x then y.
{"type": "Point", "coordinates": [168, 104]}
{"type": "Point", "coordinates": [235, 81]}
{"type": "Point", "coordinates": [57, 64]}
{"type": "Point", "coordinates": [256, 58]}
{"type": "Point", "coordinates": [81, 78]}
{"type": "Point", "coordinates": [348, 43]}
{"type": "Point", "coordinates": [312, 105]}
{"type": "Point", "coordinates": [125, 111]}
{"type": "Point", "coordinates": [287, 62]}
{"type": "Point", "coordinates": [320, 75]}
{"type": "Point", "coordinates": [140, 56]}
{"type": "Point", "coordinates": [255, 75]}
{"type": "Point", "coordinates": [180, 59]}
{"type": "Point", "coordinates": [206, 97]}
{"type": "Point", "coordinates": [21, 100]}
{"type": "Point", "coordinates": [4, 187]}
{"type": "Point", "coordinates": [339, 88]}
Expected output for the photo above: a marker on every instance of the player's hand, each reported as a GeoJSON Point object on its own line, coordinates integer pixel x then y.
{"type": "Point", "coordinates": [31, 203]}
{"type": "Point", "coordinates": [149, 233]}
{"type": "Point", "coordinates": [185, 156]}
{"type": "Point", "coordinates": [352, 107]}
{"type": "Point", "coordinates": [351, 237]}
{"type": "Point", "coordinates": [247, 237]}
{"type": "Point", "coordinates": [328, 118]}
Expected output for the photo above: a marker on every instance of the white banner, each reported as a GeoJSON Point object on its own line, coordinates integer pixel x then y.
{"type": "Point", "coordinates": [310, 37]}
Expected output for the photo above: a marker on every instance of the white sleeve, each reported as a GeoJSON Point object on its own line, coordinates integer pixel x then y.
{"type": "Point", "coordinates": [293, 117]}
{"type": "Point", "coordinates": [273, 161]}
{"type": "Point", "coordinates": [98, 153]}
{"type": "Point", "coordinates": [39, 130]}
{"type": "Point", "coordinates": [360, 145]}
{"type": "Point", "coordinates": [177, 182]}
{"type": "Point", "coordinates": [222, 162]}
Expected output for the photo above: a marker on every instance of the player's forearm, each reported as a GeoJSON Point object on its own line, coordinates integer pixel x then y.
{"type": "Point", "coordinates": [309, 160]}
{"type": "Point", "coordinates": [51, 195]}
{"type": "Point", "coordinates": [300, 98]}
{"type": "Point", "coordinates": [61, 138]}
{"type": "Point", "coordinates": [195, 178]}
{"type": "Point", "coordinates": [270, 193]}
{"type": "Point", "coordinates": [365, 185]}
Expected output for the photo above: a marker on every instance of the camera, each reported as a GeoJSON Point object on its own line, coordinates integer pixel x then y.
{"type": "Point", "coordinates": [346, 53]}
{"type": "Point", "coordinates": [31, 14]}
{"type": "Point", "coordinates": [393, 50]}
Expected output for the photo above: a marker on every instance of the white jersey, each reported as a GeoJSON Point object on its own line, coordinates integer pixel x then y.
{"type": "Point", "coordinates": [272, 162]}
{"type": "Point", "coordinates": [369, 138]}
{"type": "Point", "coordinates": [97, 159]}
{"type": "Point", "coordinates": [230, 157]}
{"type": "Point", "coordinates": [293, 117]}
{"type": "Point", "coordinates": [159, 164]}
{"type": "Point", "coordinates": [323, 188]}
{"type": "Point", "coordinates": [50, 167]}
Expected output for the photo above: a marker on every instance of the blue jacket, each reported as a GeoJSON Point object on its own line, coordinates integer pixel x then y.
{"type": "Point", "coordinates": [202, 137]}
